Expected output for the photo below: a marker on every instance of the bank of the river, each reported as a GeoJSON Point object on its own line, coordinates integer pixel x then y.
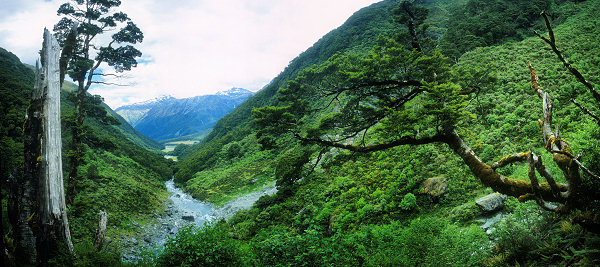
{"type": "Point", "coordinates": [180, 210]}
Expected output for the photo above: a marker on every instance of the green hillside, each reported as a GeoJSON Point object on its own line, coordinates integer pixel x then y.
{"type": "Point", "coordinates": [366, 208]}
{"type": "Point", "coordinates": [119, 176]}
{"type": "Point", "coordinates": [357, 34]}
{"type": "Point", "coordinates": [126, 129]}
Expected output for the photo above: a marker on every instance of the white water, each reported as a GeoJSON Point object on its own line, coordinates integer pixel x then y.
{"type": "Point", "coordinates": [188, 206]}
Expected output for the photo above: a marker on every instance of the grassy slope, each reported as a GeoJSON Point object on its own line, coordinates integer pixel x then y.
{"type": "Point", "coordinates": [126, 129]}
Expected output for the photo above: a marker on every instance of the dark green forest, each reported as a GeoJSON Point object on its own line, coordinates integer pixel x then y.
{"type": "Point", "coordinates": [355, 134]}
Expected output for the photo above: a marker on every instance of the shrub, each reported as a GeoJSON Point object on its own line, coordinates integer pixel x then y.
{"type": "Point", "coordinates": [210, 245]}
{"type": "Point", "coordinates": [409, 202]}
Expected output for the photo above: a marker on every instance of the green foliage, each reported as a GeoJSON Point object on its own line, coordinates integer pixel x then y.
{"type": "Point", "coordinates": [87, 255]}
{"type": "Point", "coordinates": [481, 23]}
{"type": "Point", "coordinates": [16, 83]}
{"type": "Point", "coordinates": [248, 171]}
{"type": "Point", "coordinates": [408, 203]}
{"type": "Point", "coordinates": [424, 242]}
{"type": "Point", "coordinates": [118, 185]}
{"type": "Point", "coordinates": [206, 246]}
{"type": "Point", "coordinates": [349, 210]}
{"type": "Point", "coordinates": [290, 166]}
{"type": "Point", "coordinates": [96, 18]}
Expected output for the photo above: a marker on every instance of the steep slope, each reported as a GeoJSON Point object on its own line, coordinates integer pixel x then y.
{"type": "Point", "coordinates": [15, 86]}
{"type": "Point", "coordinates": [168, 117]}
{"type": "Point", "coordinates": [119, 177]}
{"type": "Point", "coordinates": [365, 209]}
{"type": "Point", "coordinates": [132, 134]}
{"type": "Point", "coordinates": [358, 33]}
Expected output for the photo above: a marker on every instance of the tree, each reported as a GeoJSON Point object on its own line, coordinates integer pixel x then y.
{"type": "Point", "coordinates": [398, 96]}
{"type": "Point", "coordinates": [41, 224]}
{"type": "Point", "coordinates": [94, 18]}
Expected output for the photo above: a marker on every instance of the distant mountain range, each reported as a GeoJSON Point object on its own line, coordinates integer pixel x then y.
{"type": "Point", "coordinates": [167, 117]}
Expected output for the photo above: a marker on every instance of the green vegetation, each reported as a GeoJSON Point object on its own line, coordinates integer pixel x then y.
{"type": "Point", "coordinates": [118, 176]}
{"type": "Point", "coordinates": [481, 23]}
{"type": "Point", "coordinates": [336, 207]}
{"type": "Point", "coordinates": [319, 130]}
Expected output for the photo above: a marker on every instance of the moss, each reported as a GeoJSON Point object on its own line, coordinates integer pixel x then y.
{"type": "Point", "coordinates": [464, 212]}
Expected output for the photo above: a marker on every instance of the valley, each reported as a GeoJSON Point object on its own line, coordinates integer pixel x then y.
{"type": "Point", "coordinates": [417, 133]}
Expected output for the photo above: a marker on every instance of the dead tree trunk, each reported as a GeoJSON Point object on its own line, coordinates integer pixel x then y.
{"type": "Point", "coordinates": [101, 230]}
{"type": "Point", "coordinates": [53, 210]}
{"type": "Point", "coordinates": [42, 225]}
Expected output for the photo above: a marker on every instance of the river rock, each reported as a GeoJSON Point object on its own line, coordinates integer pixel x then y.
{"type": "Point", "coordinates": [434, 188]}
{"type": "Point", "coordinates": [188, 218]}
{"type": "Point", "coordinates": [491, 203]}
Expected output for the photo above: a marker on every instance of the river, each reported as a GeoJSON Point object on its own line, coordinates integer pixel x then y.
{"type": "Point", "coordinates": [180, 210]}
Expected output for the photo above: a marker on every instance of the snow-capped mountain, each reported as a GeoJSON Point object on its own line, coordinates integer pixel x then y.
{"type": "Point", "coordinates": [167, 117]}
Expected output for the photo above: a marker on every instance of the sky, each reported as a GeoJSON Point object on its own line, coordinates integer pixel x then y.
{"type": "Point", "coordinates": [192, 47]}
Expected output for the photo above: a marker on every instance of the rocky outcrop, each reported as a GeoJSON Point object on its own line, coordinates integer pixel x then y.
{"type": "Point", "coordinates": [435, 188]}
{"type": "Point", "coordinates": [491, 203]}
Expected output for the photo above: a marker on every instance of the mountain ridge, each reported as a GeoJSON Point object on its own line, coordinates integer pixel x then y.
{"type": "Point", "coordinates": [167, 117]}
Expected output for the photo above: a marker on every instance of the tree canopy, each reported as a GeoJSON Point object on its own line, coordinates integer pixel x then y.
{"type": "Point", "coordinates": [79, 31]}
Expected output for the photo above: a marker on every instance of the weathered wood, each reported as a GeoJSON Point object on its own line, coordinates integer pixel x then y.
{"type": "Point", "coordinates": [101, 230]}
{"type": "Point", "coordinates": [53, 215]}
{"type": "Point", "coordinates": [500, 183]}
{"type": "Point", "coordinates": [559, 148]}
{"type": "Point", "coordinates": [42, 219]}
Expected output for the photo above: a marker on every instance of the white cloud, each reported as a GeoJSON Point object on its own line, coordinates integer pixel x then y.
{"type": "Point", "coordinates": [196, 47]}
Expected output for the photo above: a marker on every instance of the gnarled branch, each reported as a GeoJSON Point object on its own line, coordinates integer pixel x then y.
{"type": "Point", "coordinates": [512, 158]}
{"type": "Point", "coordinates": [559, 148]}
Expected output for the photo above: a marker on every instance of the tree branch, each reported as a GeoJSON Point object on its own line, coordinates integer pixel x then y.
{"type": "Point", "coordinates": [586, 170]}
{"type": "Point", "coordinates": [407, 140]}
{"type": "Point", "coordinates": [543, 171]}
{"type": "Point", "coordinates": [558, 147]}
{"type": "Point", "coordinates": [512, 158]}
{"type": "Point", "coordinates": [115, 84]}
{"type": "Point", "coordinates": [489, 177]}
{"type": "Point", "coordinates": [573, 70]}
{"type": "Point", "coordinates": [587, 111]}
{"type": "Point", "coordinates": [535, 184]}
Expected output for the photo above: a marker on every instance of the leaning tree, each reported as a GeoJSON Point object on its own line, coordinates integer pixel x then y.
{"type": "Point", "coordinates": [96, 19]}
{"type": "Point", "coordinates": [406, 95]}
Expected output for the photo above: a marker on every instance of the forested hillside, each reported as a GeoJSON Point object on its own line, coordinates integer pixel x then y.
{"type": "Point", "coordinates": [342, 199]}
{"type": "Point", "coordinates": [118, 176]}
{"type": "Point", "coordinates": [359, 33]}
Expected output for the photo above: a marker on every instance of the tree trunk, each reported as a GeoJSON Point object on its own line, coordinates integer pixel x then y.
{"type": "Point", "coordinates": [42, 221]}
{"type": "Point", "coordinates": [500, 183]}
{"type": "Point", "coordinates": [26, 189]}
{"type": "Point", "coordinates": [101, 230]}
{"type": "Point", "coordinates": [53, 210]}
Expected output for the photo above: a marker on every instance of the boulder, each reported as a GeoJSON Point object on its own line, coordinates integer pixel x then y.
{"type": "Point", "coordinates": [188, 218]}
{"type": "Point", "coordinates": [491, 203]}
{"type": "Point", "coordinates": [434, 188]}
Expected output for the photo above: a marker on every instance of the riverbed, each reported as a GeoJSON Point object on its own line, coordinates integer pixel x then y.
{"type": "Point", "coordinates": [182, 209]}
